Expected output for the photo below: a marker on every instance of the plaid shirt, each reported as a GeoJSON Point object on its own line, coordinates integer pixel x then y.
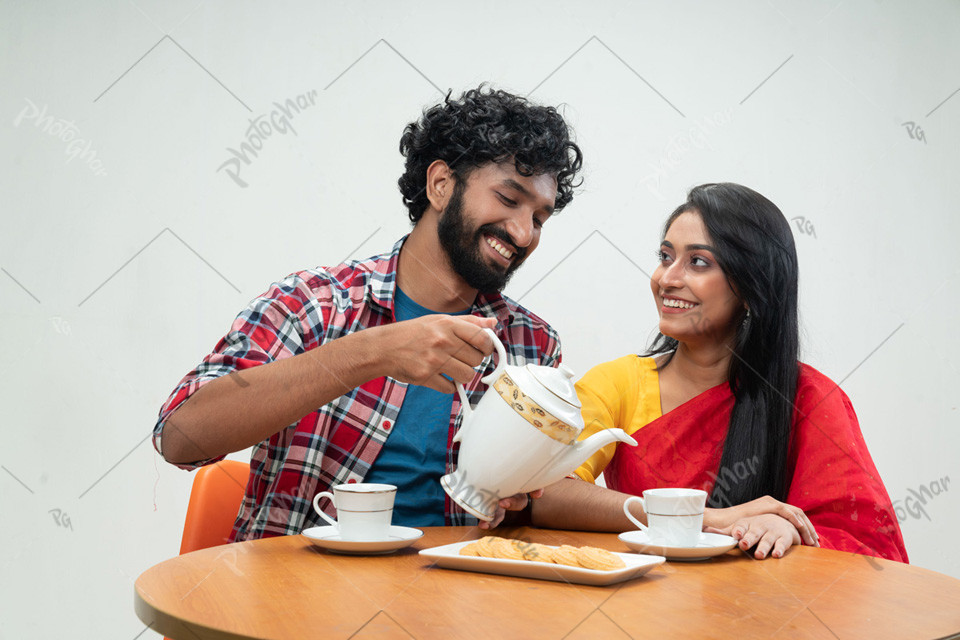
{"type": "Point", "coordinates": [338, 442]}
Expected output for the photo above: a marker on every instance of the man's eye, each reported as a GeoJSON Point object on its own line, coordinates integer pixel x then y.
{"type": "Point", "coordinates": [507, 201]}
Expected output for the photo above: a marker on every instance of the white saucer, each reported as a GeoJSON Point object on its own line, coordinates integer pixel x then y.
{"type": "Point", "coordinates": [710, 545]}
{"type": "Point", "coordinates": [328, 538]}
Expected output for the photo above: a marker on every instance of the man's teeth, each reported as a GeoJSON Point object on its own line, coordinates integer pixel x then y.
{"type": "Point", "coordinates": [678, 304]}
{"type": "Point", "coordinates": [502, 250]}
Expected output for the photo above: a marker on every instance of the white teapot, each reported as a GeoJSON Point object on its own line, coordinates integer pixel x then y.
{"type": "Point", "coordinates": [521, 436]}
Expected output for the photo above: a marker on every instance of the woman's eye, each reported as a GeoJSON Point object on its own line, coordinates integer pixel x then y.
{"type": "Point", "coordinates": [697, 261]}
{"type": "Point", "coordinates": [661, 256]}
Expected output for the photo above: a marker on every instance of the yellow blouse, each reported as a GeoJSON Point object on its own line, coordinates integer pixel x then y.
{"type": "Point", "coordinates": [622, 393]}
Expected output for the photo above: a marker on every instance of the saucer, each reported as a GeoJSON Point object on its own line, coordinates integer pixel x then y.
{"type": "Point", "coordinates": [329, 538]}
{"type": "Point", "coordinates": [710, 545]}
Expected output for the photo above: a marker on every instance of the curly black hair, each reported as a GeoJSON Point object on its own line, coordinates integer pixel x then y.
{"type": "Point", "coordinates": [485, 126]}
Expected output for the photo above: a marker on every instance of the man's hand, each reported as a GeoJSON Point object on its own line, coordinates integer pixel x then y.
{"type": "Point", "coordinates": [771, 534]}
{"type": "Point", "coordinates": [424, 350]}
{"type": "Point", "coordinates": [517, 502]}
{"type": "Point", "coordinates": [722, 520]}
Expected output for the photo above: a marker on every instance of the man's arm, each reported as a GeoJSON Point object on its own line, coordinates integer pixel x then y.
{"type": "Point", "coordinates": [246, 407]}
{"type": "Point", "coordinates": [583, 506]}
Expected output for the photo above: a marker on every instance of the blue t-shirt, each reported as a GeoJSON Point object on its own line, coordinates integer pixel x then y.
{"type": "Point", "coordinates": [414, 456]}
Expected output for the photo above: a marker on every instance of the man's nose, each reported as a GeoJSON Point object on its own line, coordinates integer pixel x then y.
{"type": "Point", "coordinates": [521, 229]}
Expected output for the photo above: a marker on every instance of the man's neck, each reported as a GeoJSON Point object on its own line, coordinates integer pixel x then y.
{"type": "Point", "coordinates": [424, 273]}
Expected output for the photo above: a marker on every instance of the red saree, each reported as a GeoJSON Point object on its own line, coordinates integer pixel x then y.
{"type": "Point", "coordinates": [830, 472]}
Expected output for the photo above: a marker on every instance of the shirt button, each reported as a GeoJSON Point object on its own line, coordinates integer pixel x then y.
{"type": "Point", "coordinates": [387, 425]}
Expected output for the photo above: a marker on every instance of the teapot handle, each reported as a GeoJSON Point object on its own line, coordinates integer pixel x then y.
{"type": "Point", "coordinates": [464, 400]}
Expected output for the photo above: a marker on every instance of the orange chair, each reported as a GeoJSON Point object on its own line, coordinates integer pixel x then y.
{"type": "Point", "coordinates": [214, 502]}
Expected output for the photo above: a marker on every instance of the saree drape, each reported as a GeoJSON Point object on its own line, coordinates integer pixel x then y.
{"type": "Point", "coordinates": [829, 469]}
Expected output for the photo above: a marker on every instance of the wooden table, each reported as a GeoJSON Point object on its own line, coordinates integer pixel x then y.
{"type": "Point", "coordinates": [286, 588]}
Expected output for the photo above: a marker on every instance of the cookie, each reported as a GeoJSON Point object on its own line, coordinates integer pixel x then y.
{"type": "Point", "coordinates": [535, 552]}
{"type": "Point", "coordinates": [487, 547]}
{"type": "Point", "coordinates": [599, 559]}
{"type": "Point", "coordinates": [565, 554]}
{"type": "Point", "coordinates": [507, 549]}
{"type": "Point", "coordinates": [470, 550]}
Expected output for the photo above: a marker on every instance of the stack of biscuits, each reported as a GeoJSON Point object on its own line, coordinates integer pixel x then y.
{"type": "Point", "coordinates": [509, 549]}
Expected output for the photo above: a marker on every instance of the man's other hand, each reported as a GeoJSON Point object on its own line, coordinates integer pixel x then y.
{"type": "Point", "coordinates": [517, 502]}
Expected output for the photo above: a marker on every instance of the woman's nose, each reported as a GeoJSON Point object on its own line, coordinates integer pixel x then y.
{"type": "Point", "coordinates": [672, 275]}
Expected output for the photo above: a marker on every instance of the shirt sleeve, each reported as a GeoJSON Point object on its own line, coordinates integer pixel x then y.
{"type": "Point", "coordinates": [552, 354]}
{"type": "Point", "coordinates": [602, 392]}
{"type": "Point", "coordinates": [834, 479]}
{"type": "Point", "coordinates": [268, 330]}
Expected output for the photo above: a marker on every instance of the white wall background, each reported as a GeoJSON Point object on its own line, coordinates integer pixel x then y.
{"type": "Point", "coordinates": [120, 273]}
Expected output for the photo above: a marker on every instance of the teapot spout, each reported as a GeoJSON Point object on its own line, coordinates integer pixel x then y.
{"type": "Point", "coordinates": [576, 454]}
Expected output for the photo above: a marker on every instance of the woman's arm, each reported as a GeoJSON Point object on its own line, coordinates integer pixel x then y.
{"type": "Point", "coordinates": [834, 479]}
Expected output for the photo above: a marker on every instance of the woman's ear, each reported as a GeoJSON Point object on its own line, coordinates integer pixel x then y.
{"type": "Point", "coordinates": [440, 181]}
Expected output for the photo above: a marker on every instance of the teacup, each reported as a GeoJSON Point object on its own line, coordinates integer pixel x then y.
{"type": "Point", "coordinates": [674, 516]}
{"type": "Point", "coordinates": [364, 510]}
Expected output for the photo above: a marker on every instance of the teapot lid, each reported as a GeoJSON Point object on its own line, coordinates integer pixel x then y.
{"type": "Point", "coordinates": [555, 392]}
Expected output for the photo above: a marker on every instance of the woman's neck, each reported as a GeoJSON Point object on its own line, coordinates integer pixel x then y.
{"type": "Point", "coordinates": [706, 366]}
{"type": "Point", "coordinates": [690, 372]}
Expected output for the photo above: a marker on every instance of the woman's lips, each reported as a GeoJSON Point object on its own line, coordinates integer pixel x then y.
{"type": "Point", "coordinates": [676, 305]}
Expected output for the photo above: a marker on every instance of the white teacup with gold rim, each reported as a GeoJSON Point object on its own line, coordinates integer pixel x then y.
{"type": "Point", "coordinates": [674, 515]}
{"type": "Point", "coordinates": [521, 436]}
{"type": "Point", "coordinates": [364, 510]}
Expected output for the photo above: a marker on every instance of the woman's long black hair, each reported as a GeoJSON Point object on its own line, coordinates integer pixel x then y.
{"type": "Point", "coordinates": [754, 246]}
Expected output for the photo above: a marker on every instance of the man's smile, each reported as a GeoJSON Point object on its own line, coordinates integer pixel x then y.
{"type": "Point", "coordinates": [498, 247]}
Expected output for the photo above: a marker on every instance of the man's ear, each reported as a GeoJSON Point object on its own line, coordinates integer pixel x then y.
{"type": "Point", "coordinates": [440, 181]}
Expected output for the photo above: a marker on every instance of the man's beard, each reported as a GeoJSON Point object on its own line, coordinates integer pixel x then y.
{"type": "Point", "coordinates": [462, 246]}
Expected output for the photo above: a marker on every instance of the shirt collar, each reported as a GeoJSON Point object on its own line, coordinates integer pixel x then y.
{"type": "Point", "coordinates": [382, 287]}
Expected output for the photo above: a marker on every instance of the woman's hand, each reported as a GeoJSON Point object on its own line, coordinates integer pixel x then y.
{"type": "Point", "coordinates": [771, 534]}
{"type": "Point", "coordinates": [723, 519]}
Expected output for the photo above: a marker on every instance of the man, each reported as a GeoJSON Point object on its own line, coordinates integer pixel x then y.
{"type": "Point", "coordinates": [376, 344]}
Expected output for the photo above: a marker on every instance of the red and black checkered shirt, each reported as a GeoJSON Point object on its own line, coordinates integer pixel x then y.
{"type": "Point", "coordinates": [338, 442]}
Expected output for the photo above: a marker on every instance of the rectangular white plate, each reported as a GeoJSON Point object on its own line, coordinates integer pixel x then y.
{"type": "Point", "coordinates": [448, 556]}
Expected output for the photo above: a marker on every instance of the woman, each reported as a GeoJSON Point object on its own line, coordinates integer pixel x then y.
{"type": "Point", "coordinates": [723, 403]}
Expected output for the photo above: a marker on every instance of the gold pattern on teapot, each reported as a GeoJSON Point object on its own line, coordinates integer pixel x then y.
{"type": "Point", "coordinates": [533, 412]}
